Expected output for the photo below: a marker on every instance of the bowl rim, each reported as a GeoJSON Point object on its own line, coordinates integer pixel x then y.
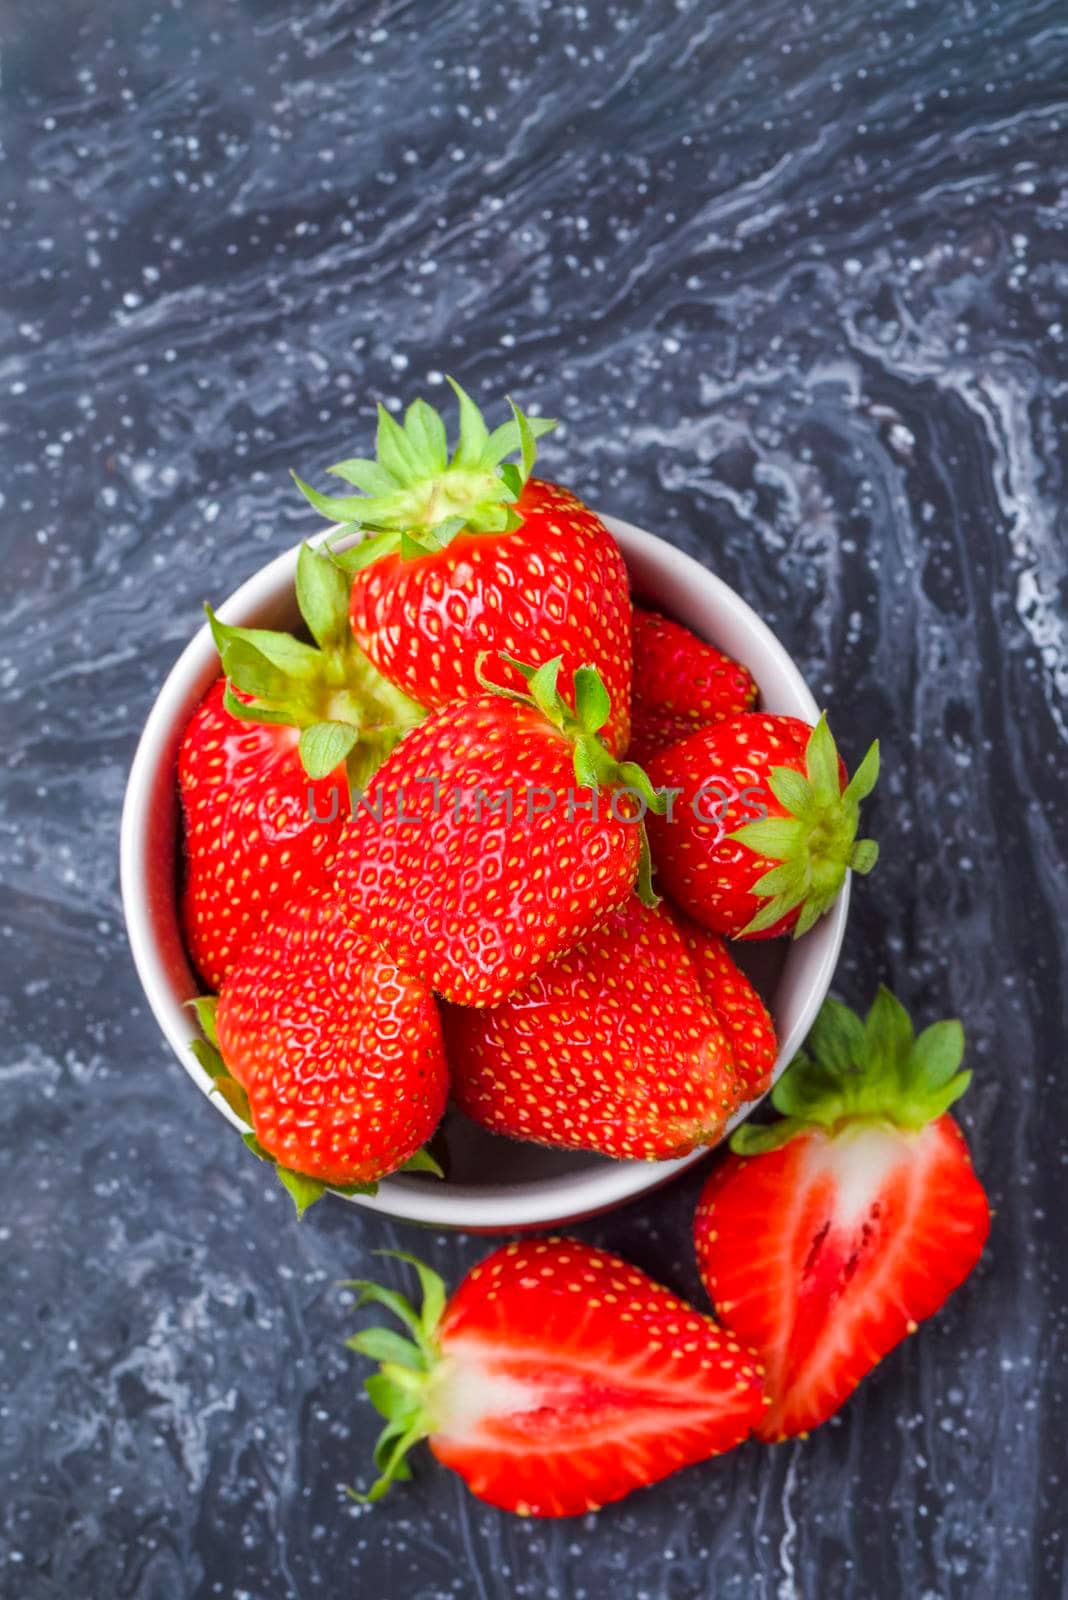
{"type": "Point", "coordinates": [534, 1203]}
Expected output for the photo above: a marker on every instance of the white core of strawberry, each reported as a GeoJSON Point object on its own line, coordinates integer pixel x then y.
{"type": "Point", "coordinates": [465, 1392]}
{"type": "Point", "coordinates": [860, 1158]}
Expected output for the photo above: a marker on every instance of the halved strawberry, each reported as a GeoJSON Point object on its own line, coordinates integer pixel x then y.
{"type": "Point", "coordinates": [264, 764]}
{"type": "Point", "coordinates": [471, 554]}
{"type": "Point", "coordinates": [824, 1239]}
{"type": "Point", "coordinates": [556, 1379]}
{"type": "Point", "coordinates": [332, 1055]}
{"type": "Point", "coordinates": [761, 825]}
{"type": "Point", "coordinates": [613, 1047]}
{"type": "Point", "coordinates": [680, 684]}
{"type": "Point", "coordinates": [495, 837]}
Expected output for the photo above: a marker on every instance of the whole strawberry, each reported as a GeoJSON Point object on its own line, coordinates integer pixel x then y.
{"type": "Point", "coordinates": [742, 1014]}
{"type": "Point", "coordinates": [760, 826]}
{"type": "Point", "coordinates": [495, 837]}
{"type": "Point", "coordinates": [256, 828]}
{"type": "Point", "coordinates": [827, 1237]}
{"type": "Point", "coordinates": [332, 1055]}
{"type": "Point", "coordinates": [613, 1047]}
{"type": "Point", "coordinates": [556, 1379]}
{"type": "Point", "coordinates": [471, 554]}
{"type": "Point", "coordinates": [680, 684]}
{"type": "Point", "coordinates": [264, 764]}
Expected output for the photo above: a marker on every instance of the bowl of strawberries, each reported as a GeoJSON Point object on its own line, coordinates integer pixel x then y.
{"type": "Point", "coordinates": [485, 860]}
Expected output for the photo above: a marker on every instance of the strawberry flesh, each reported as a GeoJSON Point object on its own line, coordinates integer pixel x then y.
{"type": "Point", "coordinates": [561, 1378]}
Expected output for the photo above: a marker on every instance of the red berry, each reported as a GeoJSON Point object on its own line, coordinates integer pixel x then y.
{"type": "Point", "coordinates": [828, 1237]}
{"type": "Point", "coordinates": [556, 586]}
{"type": "Point", "coordinates": [339, 1053]}
{"type": "Point", "coordinates": [264, 764]}
{"type": "Point", "coordinates": [680, 684]}
{"type": "Point", "coordinates": [762, 824]}
{"type": "Point", "coordinates": [478, 856]}
{"type": "Point", "coordinates": [613, 1047]}
{"type": "Point", "coordinates": [742, 1013]}
{"type": "Point", "coordinates": [470, 555]}
{"type": "Point", "coordinates": [257, 829]}
{"type": "Point", "coordinates": [556, 1379]}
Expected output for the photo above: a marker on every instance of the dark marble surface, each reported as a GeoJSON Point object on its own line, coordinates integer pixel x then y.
{"type": "Point", "coordinates": [795, 276]}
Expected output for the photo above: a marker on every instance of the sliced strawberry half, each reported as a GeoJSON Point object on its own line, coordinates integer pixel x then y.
{"type": "Point", "coordinates": [826, 1238]}
{"type": "Point", "coordinates": [556, 1379]}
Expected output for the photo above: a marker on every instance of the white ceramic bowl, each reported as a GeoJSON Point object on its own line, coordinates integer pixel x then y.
{"type": "Point", "coordinates": [494, 1184]}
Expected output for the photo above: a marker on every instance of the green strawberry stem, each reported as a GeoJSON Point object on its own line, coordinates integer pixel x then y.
{"type": "Point", "coordinates": [402, 1391]}
{"type": "Point", "coordinates": [416, 497]}
{"type": "Point", "coordinates": [346, 710]}
{"type": "Point", "coordinates": [816, 843]}
{"type": "Point", "coordinates": [303, 1190]}
{"type": "Point", "coordinates": [875, 1070]}
{"type": "Point", "coordinates": [595, 766]}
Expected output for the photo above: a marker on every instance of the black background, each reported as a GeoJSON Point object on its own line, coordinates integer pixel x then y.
{"type": "Point", "coordinates": [794, 276]}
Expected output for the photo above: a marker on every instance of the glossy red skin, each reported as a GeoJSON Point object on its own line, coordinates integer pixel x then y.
{"type": "Point", "coordinates": [340, 1054]}
{"type": "Point", "coordinates": [725, 769]}
{"type": "Point", "coordinates": [681, 684]}
{"type": "Point", "coordinates": [613, 1047]}
{"type": "Point", "coordinates": [821, 1296]}
{"type": "Point", "coordinates": [555, 586]}
{"type": "Point", "coordinates": [742, 1013]}
{"type": "Point", "coordinates": [634, 1382]}
{"type": "Point", "coordinates": [476, 907]}
{"type": "Point", "coordinates": [252, 832]}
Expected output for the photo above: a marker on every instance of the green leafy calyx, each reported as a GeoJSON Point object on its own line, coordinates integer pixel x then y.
{"type": "Point", "coordinates": [303, 1190]}
{"type": "Point", "coordinates": [815, 844]}
{"type": "Point", "coordinates": [871, 1070]}
{"type": "Point", "coordinates": [416, 497]}
{"type": "Point", "coordinates": [410, 1368]}
{"type": "Point", "coordinates": [346, 710]}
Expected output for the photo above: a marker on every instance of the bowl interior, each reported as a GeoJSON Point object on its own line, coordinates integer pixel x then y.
{"type": "Point", "coordinates": [493, 1183]}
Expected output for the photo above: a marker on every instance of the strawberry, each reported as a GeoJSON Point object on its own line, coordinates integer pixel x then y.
{"type": "Point", "coordinates": [252, 829]}
{"type": "Point", "coordinates": [742, 1013]}
{"type": "Point", "coordinates": [827, 1237]}
{"type": "Point", "coordinates": [760, 825]}
{"type": "Point", "coordinates": [495, 837]}
{"type": "Point", "coordinates": [262, 767]}
{"type": "Point", "coordinates": [332, 1055]}
{"type": "Point", "coordinates": [680, 684]}
{"type": "Point", "coordinates": [613, 1047]}
{"type": "Point", "coordinates": [470, 554]}
{"type": "Point", "coordinates": [557, 1378]}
